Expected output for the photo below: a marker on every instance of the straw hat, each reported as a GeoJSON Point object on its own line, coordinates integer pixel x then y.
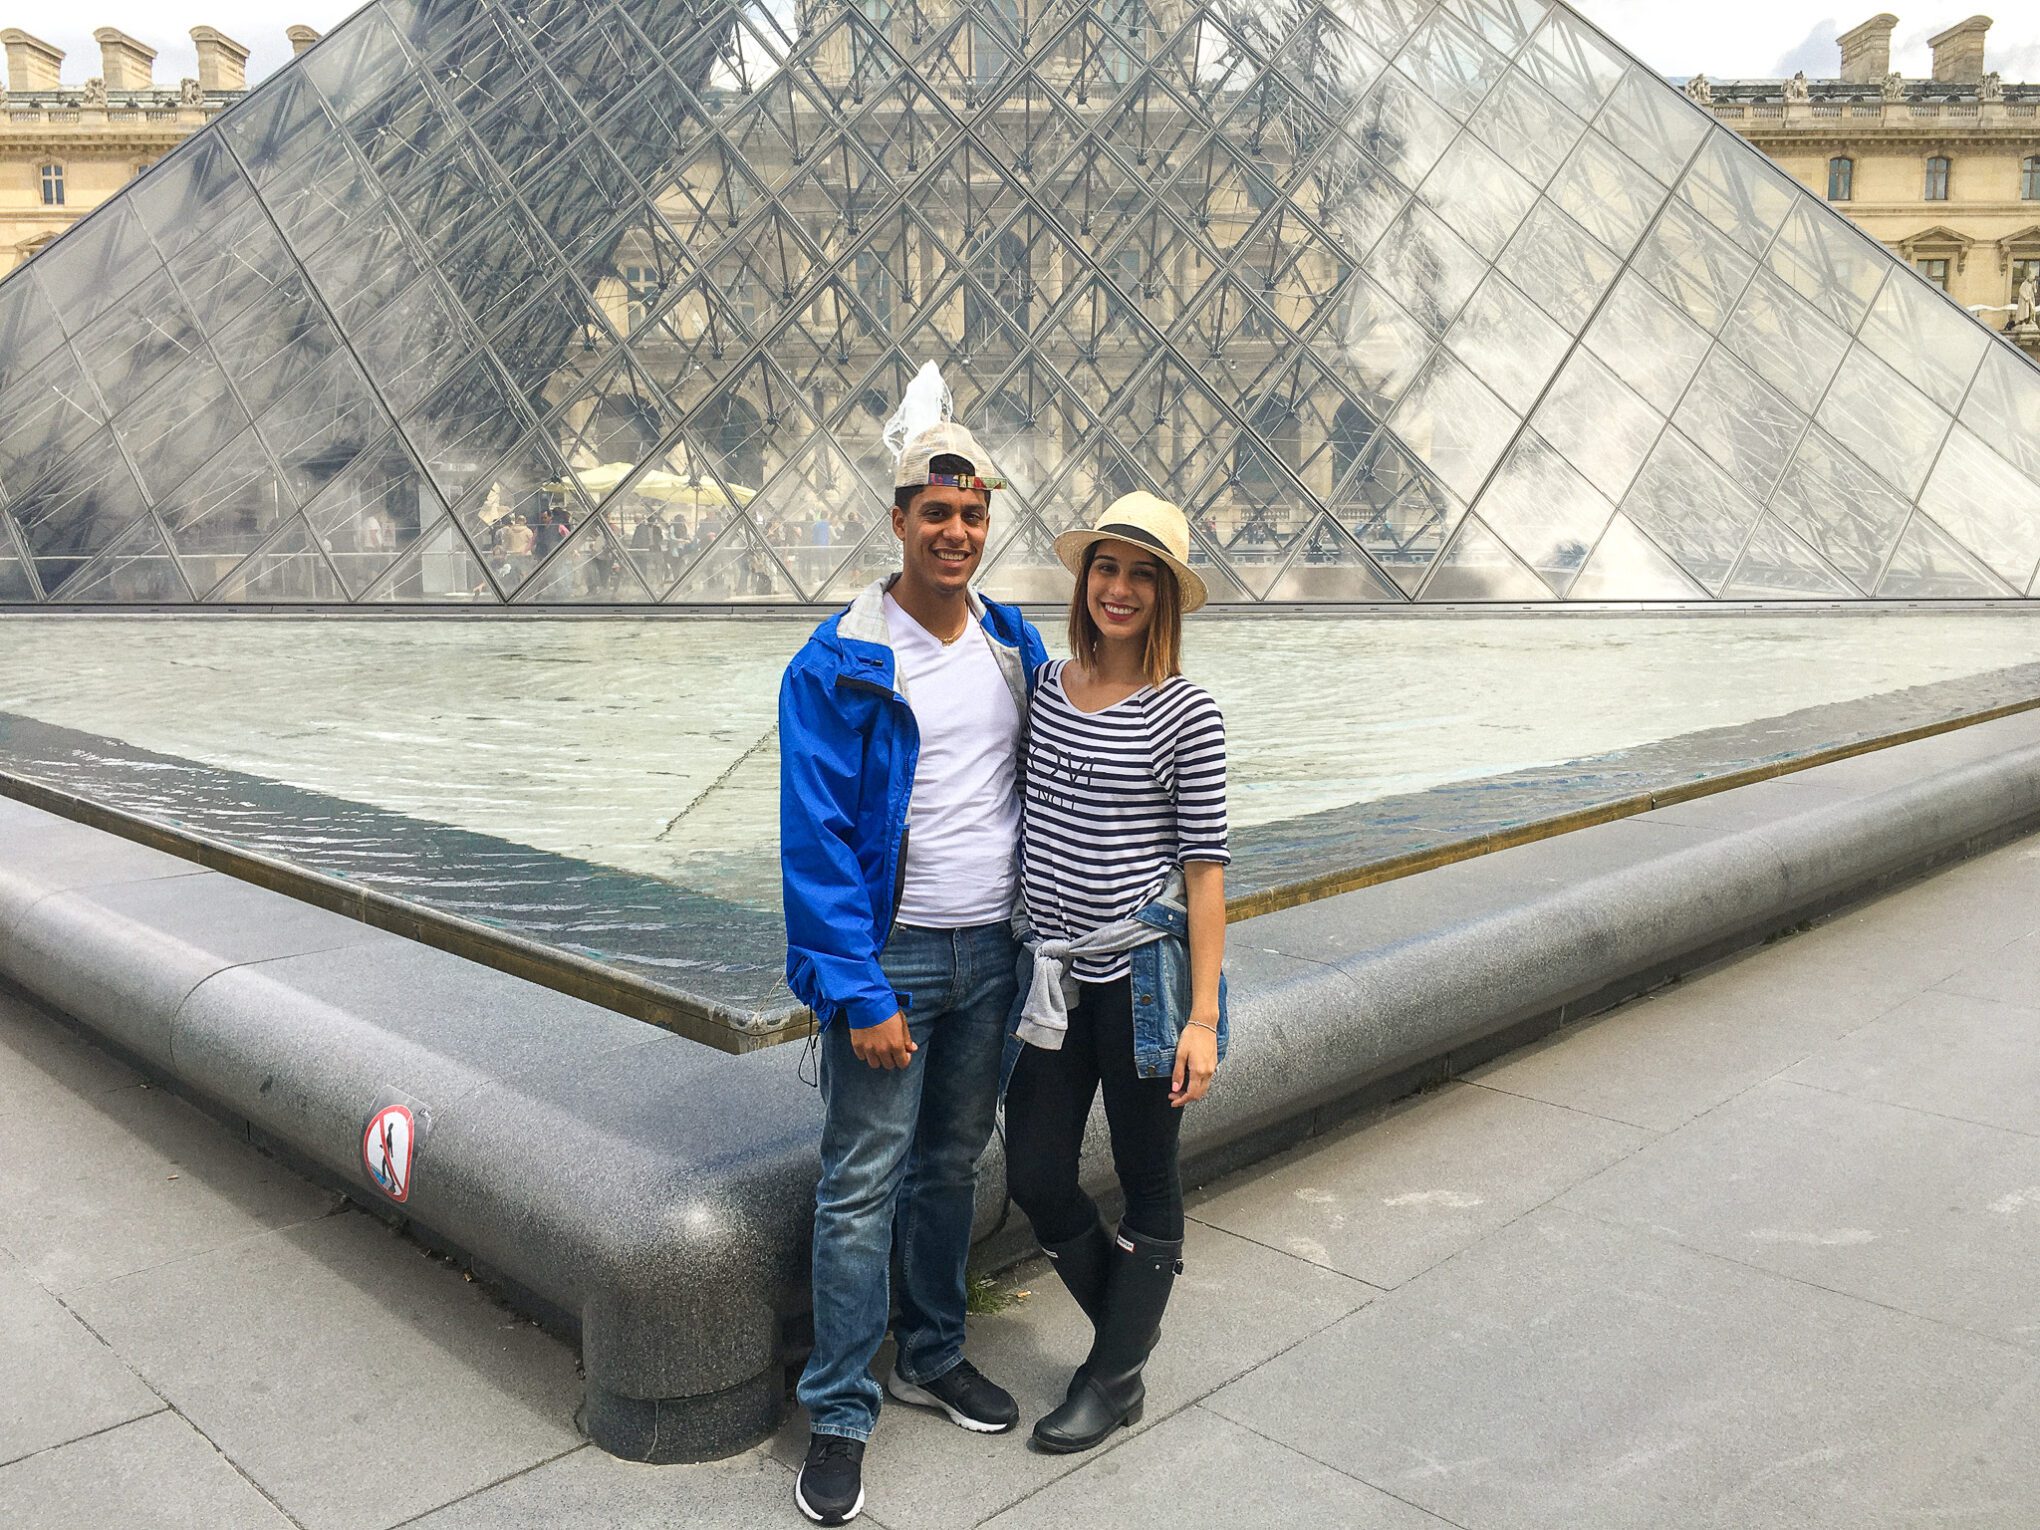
{"type": "Point", "coordinates": [1146, 521]}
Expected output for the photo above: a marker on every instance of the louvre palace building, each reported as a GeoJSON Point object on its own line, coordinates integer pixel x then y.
{"type": "Point", "coordinates": [554, 303]}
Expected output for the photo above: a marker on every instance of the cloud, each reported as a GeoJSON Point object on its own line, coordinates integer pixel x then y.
{"type": "Point", "coordinates": [1816, 53]}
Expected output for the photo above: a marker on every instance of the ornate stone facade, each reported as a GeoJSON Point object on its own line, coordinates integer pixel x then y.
{"type": "Point", "coordinates": [1945, 172]}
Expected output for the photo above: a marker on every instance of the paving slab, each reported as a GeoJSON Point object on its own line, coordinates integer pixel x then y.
{"type": "Point", "coordinates": [1972, 1059]}
{"type": "Point", "coordinates": [1661, 1060]}
{"type": "Point", "coordinates": [58, 1380]}
{"type": "Point", "coordinates": [588, 1490]}
{"type": "Point", "coordinates": [1572, 1375]}
{"type": "Point", "coordinates": [1198, 1468]}
{"type": "Point", "coordinates": [354, 1378]}
{"type": "Point", "coordinates": [1236, 1305]}
{"type": "Point", "coordinates": [98, 1184]}
{"type": "Point", "coordinates": [1385, 1200]}
{"type": "Point", "coordinates": [1937, 1217]}
{"type": "Point", "coordinates": [2010, 974]}
{"type": "Point", "coordinates": [45, 1066]}
{"type": "Point", "coordinates": [157, 1472]}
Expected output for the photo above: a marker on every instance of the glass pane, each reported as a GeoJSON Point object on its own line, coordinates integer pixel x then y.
{"type": "Point", "coordinates": [1394, 506]}
{"type": "Point", "coordinates": [326, 195]}
{"type": "Point", "coordinates": [1654, 123]}
{"type": "Point", "coordinates": [1738, 192]}
{"type": "Point", "coordinates": [1840, 508]}
{"type": "Point", "coordinates": [1929, 340]}
{"type": "Point", "coordinates": [1329, 566]}
{"type": "Point", "coordinates": [1479, 196]}
{"type": "Point", "coordinates": [1647, 343]}
{"type": "Point", "coordinates": [1741, 423]}
{"type": "Point", "coordinates": [1454, 424]}
{"type": "Point", "coordinates": [372, 512]}
{"type": "Point", "coordinates": [1523, 122]}
{"type": "Point", "coordinates": [2004, 407]}
{"type": "Point", "coordinates": [1508, 343]}
{"type": "Point", "coordinates": [463, 427]}
{"type": "Point", "coordinates": [1427, 267]}
{"type": "Point", "coordinates": [1929, 566]}
{"type": "Point", "coordinates": [1991, 509]}
{"type": "Point", "coordinates": [1575, 65]}
{"type": "Point", "coordinates": [139, 571]}
{"type": "Point", "coordinates": [250, 263]}
{"type": "Point", "coordinates": [1627, 565]}
{"type": "Point", "coordinates": [179, 425]}
{"type": "Point", "coordinates": [1402, 129]}
{"type": "Point", "coordinates": [1478, 567]}
{"type": "Point", "coordinates": [1884, 419]}
{"type": "Point", "coordinates": [1329, 63]}
{"type": "Point", "coordinates": [356, 63]}
{"type": "Point", "coordinates": [1506, 24]}
{"type": "Point", "coordinates": [589, 570]}
{"type": "Point", "coordinates": [1560, 268]}
{"type": "Point", "coordinates": [1689, 508]}
{"type": "Point", "coordinates": [1601, 427]}
{"type": "Point", "coordinates": [291, 570]}
{"type": "Point", "coordinates": [1549, 515]}
{"type": "Point", "coordinates": [1785, 339]}
{"type": "Point", "coordinates": [1778, 566]}
{"type": "Point", "coordinates": [1694, 266]}
{"type": "Point", "coordinates": [190, 192]}
{"type": "Point", "coordinates": [1451, 64]}
{"type": "Point", "coordinates": [275, 344]}
{"type": "Point", "coordinates": [360, 274]}
{"type": "Point", "coordinates": [413, 344]}
{"type": "Point", "coordinates": [28, 332]}
{"type": "Point", "coordinates": [322, 425]}
{"type": "Point", "coordinates": [225, 510]}
{"type": "Point", "coordinates": [1606, 193]}
{"type": "Point", "coordinates": [1828, 262]}
{"type": "Point", "coordinates": [438, 568]}
{"type": "Point", "coordinates": [276, 127]}
{"type": "Point", "coordinates": [78, 510]}
{"type": "Point", "coordinates": [132, 349]}
{"type": "Point", "coordinates": [95, 264]}
{"type": "Point", "coordinates": [50, 412]}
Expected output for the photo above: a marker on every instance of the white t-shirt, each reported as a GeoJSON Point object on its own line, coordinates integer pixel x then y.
{"type": "Point", "coordinates": [964, 821]}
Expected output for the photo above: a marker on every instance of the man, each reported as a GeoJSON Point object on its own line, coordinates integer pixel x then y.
{"type": "Point", "coordinates": [900, 723]}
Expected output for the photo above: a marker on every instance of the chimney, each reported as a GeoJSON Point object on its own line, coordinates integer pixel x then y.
{"type": "Point", "coordinates": [1958, 52]}
{"type": "Point", "coordinates": [126, 64]}
{"type": "Point", "coordinates": [1866, 51]}
{"type": "Point", "coordinates": [32, 64]}
{"type": "Point", "coordinates": [222, 62]}
{"type": "Point", "coordinates": [301, 38]}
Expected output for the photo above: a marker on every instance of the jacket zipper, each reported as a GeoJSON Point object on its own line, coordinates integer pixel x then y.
{"type": "Point", "coordinates": [852, 683]}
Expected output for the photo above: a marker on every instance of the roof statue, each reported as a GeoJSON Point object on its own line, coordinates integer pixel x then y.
{"type": "Point", "coordinates": [1403, 302]}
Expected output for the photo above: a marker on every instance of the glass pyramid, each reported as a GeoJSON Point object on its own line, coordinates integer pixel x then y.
{"type": "Point", "coordinates": [558, 302]}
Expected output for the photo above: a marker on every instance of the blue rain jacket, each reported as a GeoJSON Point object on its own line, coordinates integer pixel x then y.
{"type": "Point", "coordinates": [848, 745]}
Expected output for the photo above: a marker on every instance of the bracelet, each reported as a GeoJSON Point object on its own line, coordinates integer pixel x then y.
{"type": "Point", "coordinates": [1201, 1026]}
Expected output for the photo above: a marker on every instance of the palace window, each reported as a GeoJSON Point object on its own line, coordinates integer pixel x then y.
{"type": "Point", "coordinates": [1935, 271]}
{"type": "Point", "coordinates": [2029, 179]}
{"type": "Point", "coordinates": [642, 286]}
{"type": "Point", "coordinates": [53, 185]}
{"type": "Point", "coordinates": [1937, 179]}
{"type": "Point", "coordinates": [1841, 179]}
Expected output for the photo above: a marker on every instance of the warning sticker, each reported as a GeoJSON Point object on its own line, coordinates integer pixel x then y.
{"type": "Point", "coordinates": [387, 1144]}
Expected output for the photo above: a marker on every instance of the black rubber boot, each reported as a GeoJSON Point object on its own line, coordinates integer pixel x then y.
{"type": "Point", "coordinates": [1082, 1263]}
{"type": "Point", "coordinates": [1107, 1392]}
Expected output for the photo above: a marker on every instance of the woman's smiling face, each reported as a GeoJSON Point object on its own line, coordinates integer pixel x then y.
{"type": "Point", "coordinates": [1119, 591]}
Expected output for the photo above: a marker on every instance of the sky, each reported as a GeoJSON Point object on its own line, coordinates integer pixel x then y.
{"type": "Point", "coordinates": [1726, 39]}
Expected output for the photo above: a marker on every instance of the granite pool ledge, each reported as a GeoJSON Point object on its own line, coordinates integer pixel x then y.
{"type": "Point", "coordinates": [651, 1194]}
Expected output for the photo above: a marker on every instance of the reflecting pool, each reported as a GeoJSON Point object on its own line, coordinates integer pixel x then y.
{"type": "Point", "coordinates": [610, 785]}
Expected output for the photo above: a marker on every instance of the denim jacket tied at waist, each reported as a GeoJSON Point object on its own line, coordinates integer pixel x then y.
{"type": "Point", "coordinates": [1157, 938]}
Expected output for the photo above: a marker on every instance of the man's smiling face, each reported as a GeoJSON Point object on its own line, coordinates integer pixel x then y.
{"type": "Point", "coordinates": [942, 538]}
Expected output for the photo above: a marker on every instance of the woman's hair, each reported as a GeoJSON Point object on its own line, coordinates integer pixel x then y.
{"type": "Point", "coordinates": [1164, 655]}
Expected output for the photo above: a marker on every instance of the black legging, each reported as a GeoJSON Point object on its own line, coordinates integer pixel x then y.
{"type": "Point", "coordinates": [1048, 1103]}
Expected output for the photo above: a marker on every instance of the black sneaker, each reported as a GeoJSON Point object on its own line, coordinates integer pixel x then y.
{"type": "Point", "coordinates": [830, 1487]}
{"type": "Point", "coordinates": [963, 1393]}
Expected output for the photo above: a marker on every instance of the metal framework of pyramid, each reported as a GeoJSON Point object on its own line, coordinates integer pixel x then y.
{"type": "Point", "coordinates": [1403, 302]}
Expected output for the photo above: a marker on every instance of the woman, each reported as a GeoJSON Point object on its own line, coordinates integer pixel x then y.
{"type": "Point", "coordinates": [1123, 849]}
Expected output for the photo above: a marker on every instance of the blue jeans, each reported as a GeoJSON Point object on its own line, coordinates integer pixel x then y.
{"type": "Point", "coordinates": [899, 1161]}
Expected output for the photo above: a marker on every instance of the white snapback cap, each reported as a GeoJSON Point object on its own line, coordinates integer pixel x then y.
{"type": "Point", "coordinates": [943, 438]}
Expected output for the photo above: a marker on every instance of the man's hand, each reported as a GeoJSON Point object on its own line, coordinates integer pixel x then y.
{"type": "Point", "coordinates": [885, 1045]}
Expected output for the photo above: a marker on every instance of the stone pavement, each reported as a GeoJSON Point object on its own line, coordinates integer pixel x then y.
{"type": "Point", "coordinates": [1762, 1249]}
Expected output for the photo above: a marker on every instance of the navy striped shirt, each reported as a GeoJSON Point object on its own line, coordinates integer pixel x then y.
{"type": "Point", "coordinates": [1113, 800]}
